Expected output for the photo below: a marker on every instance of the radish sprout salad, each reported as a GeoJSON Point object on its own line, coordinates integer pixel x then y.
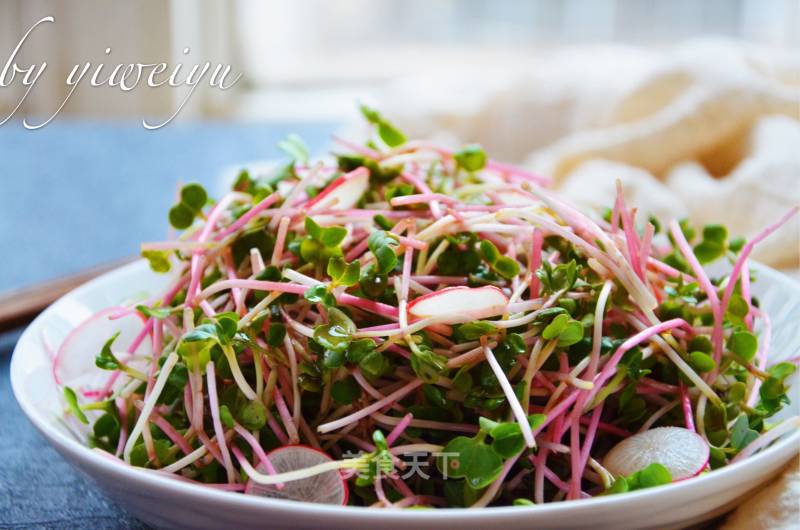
{"type": "Point", "coordinates": [402, 325]}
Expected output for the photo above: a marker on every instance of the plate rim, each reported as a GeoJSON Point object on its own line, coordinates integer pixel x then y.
{"type": "Point", "coordinates": [80, 452]}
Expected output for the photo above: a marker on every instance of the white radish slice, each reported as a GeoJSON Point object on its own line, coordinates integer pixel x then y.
{"type": "Point", "coordinates": [74, 365]}
{"type": "Point", "coordinates": [326, 488]}
{"type": "Point", "coordinates": [462, 303]}
{"type": "Point", "coordinates": [680, 450]}
{"type": "Point", "coordinates": [342, 193]}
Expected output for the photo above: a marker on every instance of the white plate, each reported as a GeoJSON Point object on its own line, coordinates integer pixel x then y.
{"type": "Point", "coordinates": [167, 503]}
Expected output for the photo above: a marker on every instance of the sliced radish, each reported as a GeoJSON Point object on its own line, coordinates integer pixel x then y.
{"type": "Point", "coordinates": [342, 193]}
{"type": "Point", "coordinates": [462, 303]}
{"type": "Point", "coordinates": [680, 450]}
{"type": "Point", "coordinates": [74, 365]}
{"type": "Point", "coordinates": [325, 488]}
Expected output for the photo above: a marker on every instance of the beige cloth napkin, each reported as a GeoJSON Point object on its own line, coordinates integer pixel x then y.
{"type": "Point", "coordinates": [708, 129]}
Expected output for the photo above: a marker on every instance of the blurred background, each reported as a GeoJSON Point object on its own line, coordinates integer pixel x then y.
{"type": "Point", "coordinates": [693, 105]}
{"type": "Point", "coordinates": [310, 59]}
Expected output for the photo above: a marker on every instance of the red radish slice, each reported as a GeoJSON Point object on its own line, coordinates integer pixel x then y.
{"type": "Point", "coordinates": [342, 193]}
{"type": "Point", "coordinates": [74, 365]}
{"type": "Point", "coordinates": [325, 488]}
{"type": "Point", "coordinates": [462, 303]}
{"type": "Point", "coordinates": [680, 450]}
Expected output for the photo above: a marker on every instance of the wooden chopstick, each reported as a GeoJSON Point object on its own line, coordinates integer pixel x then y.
{"type": "Point", "coordinates": [20, 306]}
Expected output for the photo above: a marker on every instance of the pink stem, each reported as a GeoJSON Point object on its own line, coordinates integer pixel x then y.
{"type": "Point", "coordinates": [176, 437]}
{"type": "Point", "coordinates": [588, 439]}
{"type": "Point", "coordinates": [286, 417]}
{"type": "Point", "coordinates": [747, 249]}
{"type": "Point", "coordinates": [687, 408]}
{"type": "Point", "coordinates": [195, 268]}
{"type": "Point", "coordinates": [259, 452]}
{"type": "Point", "coordinates": [213, 404]}
{"type": "Point", "coordinates": [705, 284]}
{"type": "Point", "coordinates": [399, 428]}
{"type": "Point", "coordinates": [250, 214]}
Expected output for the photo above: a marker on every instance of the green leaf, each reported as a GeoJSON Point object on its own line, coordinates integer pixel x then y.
{"type": "Point", "coordinates": [345, 391]}
{"type": "Point", "coordinates": [702, 362]}
{"type": "Point", "coordinates": [620, 485]}
{"type": "Point", "coordinates": [736, 244]}
{"type": "Point", "coordinates": [737, 308]}
{"type": "Point", "coordinates": [358, 349]}
{"type": "Point", "coordinates": [483, 467]}
{"type": "Point", "coordinates": [276, 334]}
{"type": "Point", "coordinates": [713, 244]}
{"type": "Point", "coordinates": [390, 135]}
{"type": "Point", "coordinates": [555, 327]}
{"type": "Point", "coordinates": [489, 251]}
{"type": "Point", "coordinates": [506, 267]}
{"type": "Point", "coordinates": [181, 216]}
{"type": "Point", "coordinates": [72, 404]}
{"type": "Point", "coordinates": [295, 148]}
{"type": "Point", "coordinates": [782, 370]}
{"type": "Point", "coordinates": [535, 420]}
{"type": "Point", "coordinates": [332, 236]}
{"type": "Point", "coordinates": [744, 344]}
{"type": "Point", "coordinates": [736, 392]}
{"type": "Point", "coordinates": [434, 395]}
{"type": "Point", "coordinates": [741, 433]}
{"type": "Point", "coordinates": [562, 277]}
{"type": "Point", "coordinates": [106, 425]}
{"type": "Point", "coordinates": [194, 196]}
{"type": "Point", "coordinates": [159, 313]}
{"type": "Point", "coordinates": [158, 260]}
{"type": "Point", "coordinates": [253, 415]}
{"type": "Point", "coordinates": [715, 233]}
{"type": "Point", "coordinates": [374, 364]}
{"type": "Point", "coordinates": [429, 366]}
{"type": "Point", "coordinates": [256, 238]}
{"type": "Point", "coordinates": [507, 439]}
{"type": "Point", "coordinates": [477, 329]}
{"type": "Point", "coordinates": [382, 246]}
{"type": "Point", "coordinates": [337, 334]}
{"type": "Point", "coordinates": [454, 465]}
{"type": "Point", "coordinates": [311, 249]}
{"type": "Point", "coordinates": [687, 229]}
{"type": "Point", "coordinates": [701, 343]}
{"type": "Point", "coordinates": [351, 274]}
{"type": "Point", "coordinates": [383, 222]}
{"type": "Point", "coordinates": [226, 417]}
{"type": "Point", "coordinates": [471, 157]}
{"type": "Point", "coordinates": [654, 475]}
{"type": "Point", "coordinates": [227, 326]}
{"type": "Point", "coordinates": [106, 359]}
{"type": "Point", "coordinates": [708, 251]}
{"type": "Point", "coordinates": [336, 266]}
{"type": "Point", "coordinates": [313, 229]}
{"type": "Point", "coordinates": [333, 359]}
{"type": "Point", "coordinates": [463, 380]}
{"type": "Point", "coordinates": [774, 388]}
{"type": "Point", "coordinates": [571, 334]}
{"type": "Point", "coordinates": [319, 294]}
{"type": "Point", "coordinates": [523, 502]}
{"type": "Point", "coordinates": [516, 343]}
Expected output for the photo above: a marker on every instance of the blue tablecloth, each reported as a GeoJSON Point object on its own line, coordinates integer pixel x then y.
{"type": "Point", "coordinates": [76, 195]}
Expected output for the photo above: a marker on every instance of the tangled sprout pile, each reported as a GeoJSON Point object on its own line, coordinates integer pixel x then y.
{"type": "Point", "coordinates": [402, 298]}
